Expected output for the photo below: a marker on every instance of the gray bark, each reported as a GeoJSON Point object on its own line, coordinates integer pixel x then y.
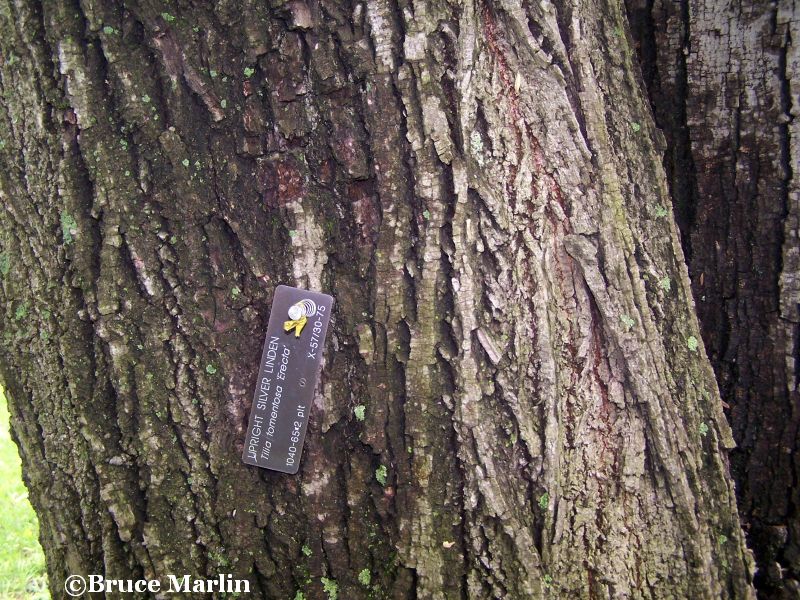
{"type": "Point", "coordinates": [723, 77]}
{"type": "Point", "coordinates": [479, 186]}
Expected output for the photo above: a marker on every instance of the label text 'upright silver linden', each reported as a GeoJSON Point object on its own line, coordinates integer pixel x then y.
{"type": "Point", "coordinates": [288, 373]}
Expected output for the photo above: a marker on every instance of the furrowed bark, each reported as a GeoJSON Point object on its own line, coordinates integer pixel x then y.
{"type": "Point", "coordinates": [723, 78]}
{"type": "Point", "coordinates": [478, 184]}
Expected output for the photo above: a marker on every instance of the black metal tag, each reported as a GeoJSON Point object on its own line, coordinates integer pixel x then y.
{"type": "Point", "coordinates": [290, 365]}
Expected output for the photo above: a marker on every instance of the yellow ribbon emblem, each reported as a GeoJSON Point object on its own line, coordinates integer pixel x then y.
{"type": "Point", "coordinates": [296, 324]}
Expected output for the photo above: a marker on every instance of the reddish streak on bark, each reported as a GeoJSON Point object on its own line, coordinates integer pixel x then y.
{"type": "Point", "coordinates": [590, 581]}
{"type": "Point", "coordinates": [605, 406]}
{"type": "Point", "coordinates": [281, 182]}
{"type": "Point", "coordinates": [365, 209]}
{"type": "Point", "coordinates": [347, 150]}
{"type": "Point", "coordinates": [326, 171]}
{"type": "Point", "coordinates": [511, 94]}
{"type": "Point", "coordinates": [552, 185]}
{"type": "Point", "coordinates": [490, 34]}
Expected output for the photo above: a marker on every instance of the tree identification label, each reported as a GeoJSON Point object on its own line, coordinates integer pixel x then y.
{"type": "Point", "coordinates": [290, 365]}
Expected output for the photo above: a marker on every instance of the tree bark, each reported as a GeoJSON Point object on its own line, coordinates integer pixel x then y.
{"type": "Point", "coordinates": [479, 185]}
{"type": "Point", "coordinates": [723, 77]}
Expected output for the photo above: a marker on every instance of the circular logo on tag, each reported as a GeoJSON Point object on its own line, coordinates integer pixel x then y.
{"type": "Point", "coordinates": [304, 308]}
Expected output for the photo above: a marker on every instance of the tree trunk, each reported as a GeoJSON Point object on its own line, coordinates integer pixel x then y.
{"type": "Point", "coordinates": [724, 78]}
{"type": "Point", "coordinates": [480, 188]}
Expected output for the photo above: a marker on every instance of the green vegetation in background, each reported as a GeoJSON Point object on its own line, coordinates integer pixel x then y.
{"type": "Point", "coordinates": [22, 571]}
